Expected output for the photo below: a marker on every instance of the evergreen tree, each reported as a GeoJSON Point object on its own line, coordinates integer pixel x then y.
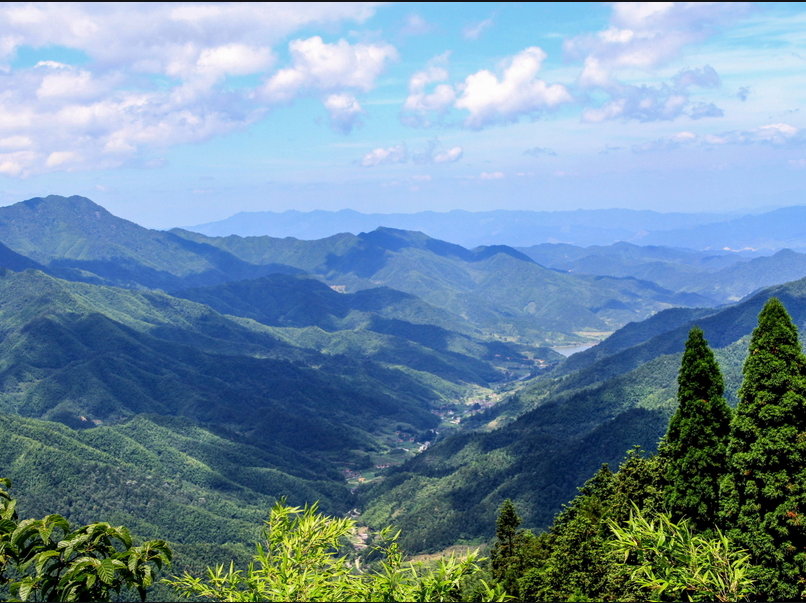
{"type": "Point", "coordinates": [763, 490]}
{"type": "Point", "coordinates": [695, 446]}
{"type": "Point", "coordinates": [506, 557]}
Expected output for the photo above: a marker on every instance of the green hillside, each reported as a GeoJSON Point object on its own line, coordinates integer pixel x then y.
{"type": "Point", "coordinates": [79, 240]}
{"type": "Point", "coordinates": [162, 477]}
{"type": "Point", "coordinates": [578, 420]}
{"type": "Point", "coordinates": [497, 289]}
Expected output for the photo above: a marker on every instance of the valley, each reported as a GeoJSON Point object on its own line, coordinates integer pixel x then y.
{"type": "Point", "coordinates": [149, 374]}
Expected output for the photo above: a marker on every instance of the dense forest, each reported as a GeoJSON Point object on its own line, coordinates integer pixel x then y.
{"type": "Point", "coordinates": [189, 387]}
{"type": "Point", "coordinates": [713, 515]}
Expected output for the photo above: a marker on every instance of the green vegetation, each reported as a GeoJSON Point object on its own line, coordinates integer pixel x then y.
{"type": "Point", "coordinates": [47, 560]}
{"type": "Point", "coordinates": [764, 485]}
{"type": "Point", "coordinates": [298, 562]}
{"type": "Point", "coordinates": [695, 445]}
{"type": "Point", "coordinates": [497, 289]}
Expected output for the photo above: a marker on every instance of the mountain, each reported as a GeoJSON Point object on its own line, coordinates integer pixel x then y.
{"type": "Point", "coordinates": [77, 239]}
{"type": "Point", "coordinates": [592, 409]}
{"type": "Point", "coordinates": [721, 276]}
{"type": "Point", "coordinates": [777, 229]}
{"type": "Point", "coordinates": [469, 229]}
{"type": "Point", "coordinates": [497, 288]}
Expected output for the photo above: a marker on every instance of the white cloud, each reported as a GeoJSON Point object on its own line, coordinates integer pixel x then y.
{"type": "Point", "coordinates": [433, 153]}
{"type": "Point", "coordinates": [321, 66]}
{"type": "Point", "coordinates": [61, 157]}
{"type": "Point", "coordinates": [646, 35]}
{"type": "Point", "coordinates": [519, 91]}
{"type": "Point", "coordinates": [421, 178]}
{"type": "Point", "coordinates": [449, 156]}
{"type": "Point", "coordinates": [109, 113]}
{"type": "Point", "coordinates": [344, 111]}
{"type": "Point", "coordinates": [473, 32]}
{"type": "Point", "coordinates": [16, 142]}
{"type": "Point", "coordinates": [381, 156]}
{"type": "Point", "coordinates": [440, 100]}
{"type": "Point", "coordinates": [778, 135]}
{"type": "Point", "coordinates": [492, 176]}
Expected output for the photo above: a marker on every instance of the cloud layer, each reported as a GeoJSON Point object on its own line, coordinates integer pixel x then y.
{"type": "Point", "coordinates": [158, 76]}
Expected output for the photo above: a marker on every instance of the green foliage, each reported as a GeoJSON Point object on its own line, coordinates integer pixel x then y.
{"type": "Point", "coordinates": [509, 552]}
{"type": "Point", "coordinates": [762, 498]}
{"type": "Point", "coordinates": [298, 562]}
{"type": "Point", "coordinates": [671, 562]}
{"type": "Point", "coordinates": [574, 561]}
{"type": "Point", "coordinates": [695, 445]}
{"type": "Point", "coordinates": [45, 559]}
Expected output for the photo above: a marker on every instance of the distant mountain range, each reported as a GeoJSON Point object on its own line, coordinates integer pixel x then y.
{"type": "Point", "coordinates": [770, 231]}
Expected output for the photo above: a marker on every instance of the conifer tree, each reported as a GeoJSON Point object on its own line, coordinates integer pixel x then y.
{"type": "Point", "coordinates": [696, 442]}
{"type": "Point", "coordinates": [505, 557]}
{"type": "Point", "coordinates": [763, 493]}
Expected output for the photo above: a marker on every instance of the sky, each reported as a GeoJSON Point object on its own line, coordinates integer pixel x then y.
{"type": "Point", "coordinates": [175, 114]}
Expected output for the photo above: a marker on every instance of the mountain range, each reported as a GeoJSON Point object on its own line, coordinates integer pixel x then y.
{"type": "Point", "coordinates": [771, 230]}
{"type": "Point", "coordinates": [180, 383]}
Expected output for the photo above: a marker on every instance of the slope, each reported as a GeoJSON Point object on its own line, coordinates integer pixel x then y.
{"type": "Point", "coordinates": [78, 239]}
{"type": "Point", "coordinates": [498, 288]}
{"type": "Point", "coordinates": [577, 420]}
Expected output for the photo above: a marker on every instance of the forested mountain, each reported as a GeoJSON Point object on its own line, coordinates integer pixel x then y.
{"type": "Point", "coordinates": [276, 367]}
{"type": "Point", "coordinates": [497, 288]}
{"type": "Point", "coordinates": [603, 401]}
{"type": "Point", "coordinates": [721, 276]}
{"type": "Point", "coordinates": [79, 240]}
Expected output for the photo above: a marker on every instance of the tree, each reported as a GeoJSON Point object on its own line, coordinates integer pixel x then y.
{"type": "Point", "coordinates": [763, 491]}
{"type": "Point", "coordinates": [50, 561]}
{"type": "Point", "coordinates": [696, 442]}
{"type": "Point", "coordinates": [574, 560]}
{"type": "Point", "coordinates": [298, 562]}
{"type": "Point", "coordinates": [507, 555]}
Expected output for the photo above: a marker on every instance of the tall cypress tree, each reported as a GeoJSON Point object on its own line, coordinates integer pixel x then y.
{"type": "Point", "coordinates": [764, 491]}
{"type": "Point", "coordinates": [695, 446]}
{"type": "Point", "coordinates": [505, 557]}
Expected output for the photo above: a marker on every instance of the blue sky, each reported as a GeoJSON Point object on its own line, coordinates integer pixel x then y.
{"type": "Point", "coordinates": [177, 114]}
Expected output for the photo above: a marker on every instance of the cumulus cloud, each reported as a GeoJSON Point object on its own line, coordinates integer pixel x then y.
{"type": "Point", "coordinates": [488, 98]}
{"type": "Point", "coordinates": [381, 156]}
{"type": "Point", "coordinates": [321, 66]}
{"type": "Point", "coordinates": [519, 91]}
{"type": "Point", "coordinates": [109, 113]}
{"type": "Point", "coordinates": [436, 153]}
{"type": "Point", "coordinates": [643, 36]}
{"type": "Point", "coordinates": [439, 100]}
{"type": "Point", "coordinates": [344, 111]}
